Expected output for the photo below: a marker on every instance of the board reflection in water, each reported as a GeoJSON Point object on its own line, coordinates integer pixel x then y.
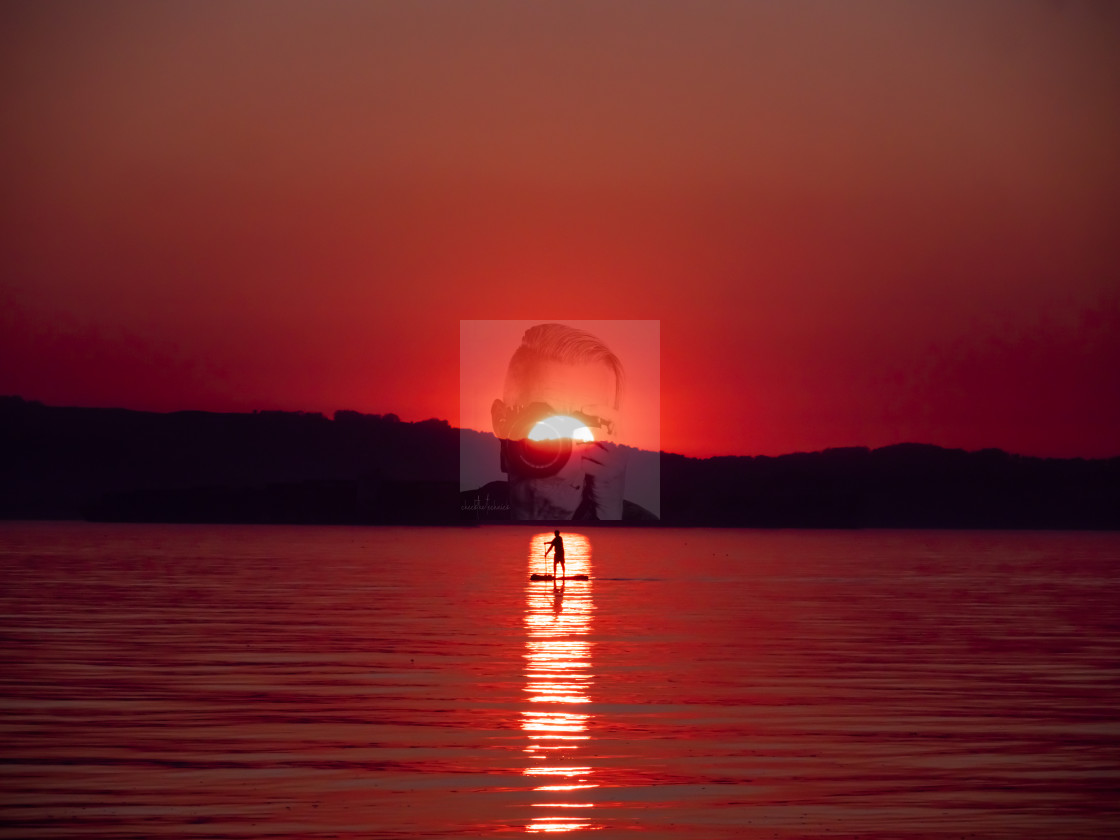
{"type": "Point", "coordinates": [558, 682]}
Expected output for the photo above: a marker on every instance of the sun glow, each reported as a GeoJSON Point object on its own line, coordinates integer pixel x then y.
{"type": "Point", "coordinates": [561, 426]}
{"type": "Point", "coordinates": [558, 681]}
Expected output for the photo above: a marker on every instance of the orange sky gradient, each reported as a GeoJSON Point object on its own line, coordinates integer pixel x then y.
{"type": "Point", "coordinates": [858, 223]}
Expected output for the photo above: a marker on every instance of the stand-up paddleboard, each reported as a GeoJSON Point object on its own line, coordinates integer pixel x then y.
{"type": "Point", "coordinates": [536, 576]}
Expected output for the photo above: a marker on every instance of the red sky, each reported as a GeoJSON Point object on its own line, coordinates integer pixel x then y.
{"type": "Point", "coordinates": [858, 223]}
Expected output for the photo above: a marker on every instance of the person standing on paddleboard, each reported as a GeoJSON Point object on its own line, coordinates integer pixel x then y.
{"type": "Point", "coordinates": [558, 557]}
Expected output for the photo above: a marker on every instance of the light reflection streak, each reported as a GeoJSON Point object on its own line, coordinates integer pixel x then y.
{"type": "Point", "coordinates": [556, 771]}
{"type": "Point", "coordinates": [563, 804]}
{"type": "Point", "coordinates": [551, 825]}
{"type": "Point", "coordinates": [558, 679]}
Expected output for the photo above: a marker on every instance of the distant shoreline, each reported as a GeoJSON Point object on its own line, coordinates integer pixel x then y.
{"type": "Point", "coordinates": [355, 469]}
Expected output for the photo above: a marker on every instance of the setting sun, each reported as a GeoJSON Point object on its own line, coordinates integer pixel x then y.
{"type": "Point", "coordinates": [561, 426]}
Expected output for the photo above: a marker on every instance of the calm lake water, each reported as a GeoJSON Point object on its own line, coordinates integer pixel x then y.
{"type": "Point", "coordinates": [202, 681]}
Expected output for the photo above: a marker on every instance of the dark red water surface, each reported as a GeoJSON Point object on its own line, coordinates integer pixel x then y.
{"type": "Point", "coordinates": [202, 682]}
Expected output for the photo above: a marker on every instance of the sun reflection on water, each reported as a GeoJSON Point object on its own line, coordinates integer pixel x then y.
{"type": "Point", "coordinates": [558, 678]}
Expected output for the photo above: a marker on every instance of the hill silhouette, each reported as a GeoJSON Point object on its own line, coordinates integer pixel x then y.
{"type": "Point", "coordinates": [196, 466]}
{"type": "Point", "coordinates": [296, 467]}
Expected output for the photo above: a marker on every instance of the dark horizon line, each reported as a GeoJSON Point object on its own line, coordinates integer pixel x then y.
{"type": "Point", "coordinates": [393, 417]}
